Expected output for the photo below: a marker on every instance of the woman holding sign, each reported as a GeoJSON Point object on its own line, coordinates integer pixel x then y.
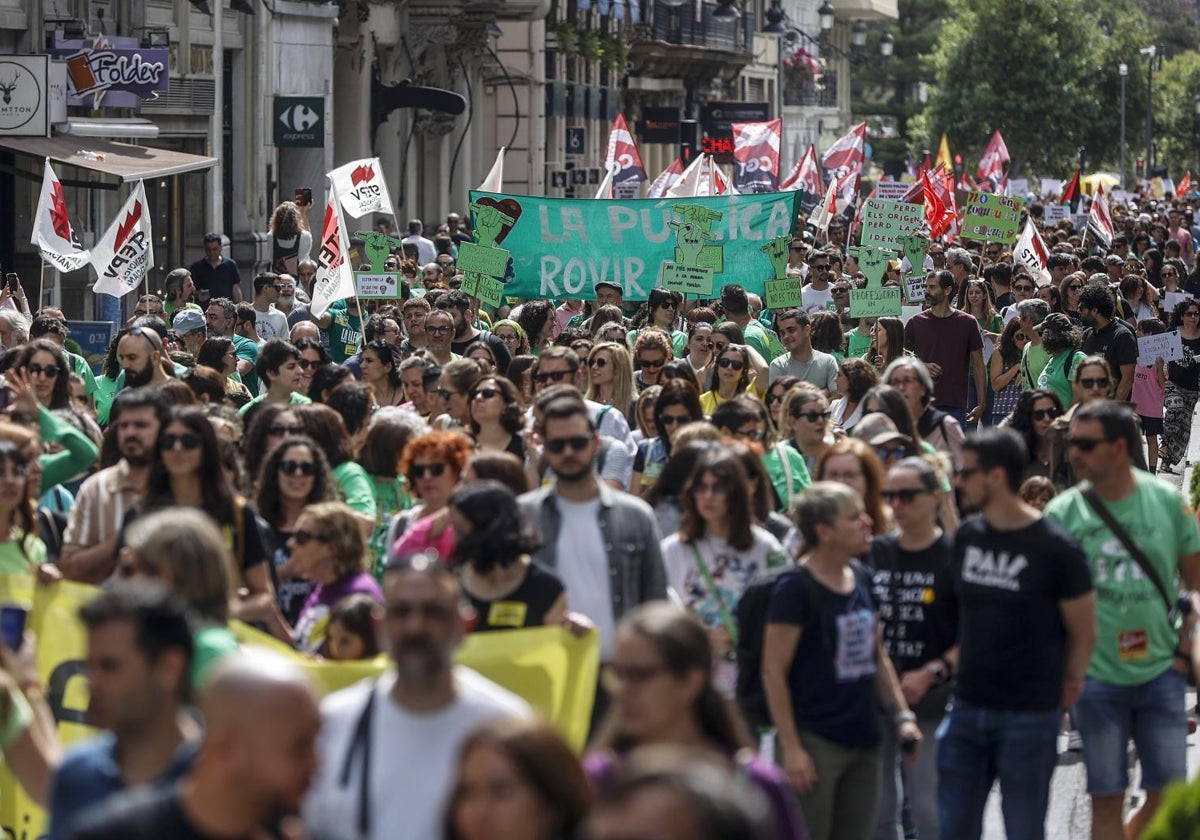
{"type": "Point", "coordinates": [1183, 387]}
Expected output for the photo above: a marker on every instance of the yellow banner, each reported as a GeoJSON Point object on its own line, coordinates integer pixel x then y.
{"type": "Point", "coordinates": [554, 671]}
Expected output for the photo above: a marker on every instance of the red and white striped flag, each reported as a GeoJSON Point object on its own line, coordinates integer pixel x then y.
{"type": "Point", "coordinates": [1100, 219]}
{"type": "Point", "coordinates": [666, 179]}
{"type": "Point", "coordinates": [805, 175]}
{"type": "Point", "coordinates": [844, 159]}
{"type": "Point", "coordinates": [622, 158]}
{"type": "Point", "coordinates": [991, 165]}
{"type": "Point", "coordinates": [126, 250]}
{"type": "Point", "coordinates": [1031, 252]}
{"type": "Point", "coordinates": [335, 279]}
{"type": "Point", "coordinates": [756, 155]}
{"type": "Point", "coordinates": [52, 231]}
{"type": "Point", "coordinates": [824, 212]}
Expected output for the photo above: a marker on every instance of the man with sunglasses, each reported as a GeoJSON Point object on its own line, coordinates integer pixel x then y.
{"type": "Point", "coordinates": [1023, 288]}
{"type": "Point", "coordinates": [1136, 681]}
{"type": "Point", "coordinates": [269, 322]}
{"type": "Point", "coordinates": [603, 543]}
{"type": "Point", "coordinates": [816, 295]}
{"type": "Point", "coordinates": [218, 319]}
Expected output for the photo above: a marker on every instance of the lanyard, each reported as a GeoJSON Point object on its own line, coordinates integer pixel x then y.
{"type": "Point", "coordinates": [726, 615]}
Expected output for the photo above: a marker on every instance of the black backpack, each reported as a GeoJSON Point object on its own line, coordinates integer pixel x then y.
{"type": "Point", "coordinates": [752, 624]}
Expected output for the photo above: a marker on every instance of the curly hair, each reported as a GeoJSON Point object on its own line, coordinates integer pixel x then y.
{"type": "Point", "coordinates": [652, 338]}
{"type": "Point", "coordinates": [1021, 420]}
{"type": "Point", "coordinates": [534, 316]}
{"type": "Point", "coordinates": [337, 526]}
{"type": "Point", "coordinates": [860, 378]}
{"type": "Point", "coordinates": [500, 533]}
{"type": "Point", "coordinates": [286, 220]}
{"type": "Point", "coordinates": [450, 448]}
{"type": "Point", "coordinates": [388, 356]}
{"type": "Point", "coordinates": [267, 500]}
{"type": "Point", "coordinates": [826, 332]}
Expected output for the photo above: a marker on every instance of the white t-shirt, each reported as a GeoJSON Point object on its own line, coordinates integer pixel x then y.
{"type": "Point", "coordinates": [815, 300]}
{"type": "Point", "coordinates": [271, 324]}
{"type": "Point", "coordinates": [414, 758]}
{"type": "Point", "coordinates": [583, 567]}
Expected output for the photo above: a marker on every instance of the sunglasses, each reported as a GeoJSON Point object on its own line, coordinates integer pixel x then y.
{"type": "Point", "coordinates": [753, 434]}
{"type": "Point", "coordinates": [1085, 444]}
{"type": "Point", "coordinates": [653, 365]}
{"type": "Point", "coordinates": [674, 419]}
{"type": "Point", "coordinates": [891, 453]}
{"type": "Point", "coordinates": [188, 440]}
{"type": "Point", "coordinates": [1022, 288]}
{"type": "Point", "coordinates": [1192, 313]}
{"type": "Point", "coordinates": [557, 445]}
{"type": "Point", "coordinates": [714, 489]}
{"type": "Point", "coordinates": [304, 537]}
{"type": "Point", "coordinates": [1043, 413]}
{"type": "Point", "coordinates": [774, 398]}
{"type": "Point", "coordinates": [736, 364]}
{"type": "Point", "coordinates": [812, 416]}
{"type": "Point", "coordinates": [556, 376]}
{"type": "Point", "coordinates": [422, 470]}
{"type": "Point", "coordinates": [598, 362]}
{"type": "Point", "coordinates": [582, 347]}
{"type": "Point", "coordinates": [51, 371]}
{"type": "Point", "coordinates": [905, 496]}
{"type": "Point", "coordinates": [141, 313]}
{"type": "Point", "coordinates": [1089, 382]}
{"type": "Point", "coordinates": [281, 430]}
{"type": "Point", "coordinates": [485, 393]}
{"type": "Point", "coordinates": [305, 364]}
{"type": "Point", "coordinates": [818, 266]}
{"type": "Point", "coordinates": [443, 393]}
{"type": "Point", "coordinates": [290, 467]}
{"type": "Point", "coordinates": [277, 287]}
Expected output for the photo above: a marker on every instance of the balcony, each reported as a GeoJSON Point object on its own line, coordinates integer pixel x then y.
{"type": "Point", "coordinates": [809, 94]}
{"type": "Point", "coordinates": [673, 43]}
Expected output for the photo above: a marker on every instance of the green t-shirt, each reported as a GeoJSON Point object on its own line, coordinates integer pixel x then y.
{"type": "Point", "coordinates": [83, 370]}
{"type": "Point", "coordinates": [857, 344]}
{"type": "Point", "coordinates": [212, 644]}
{"type": "Point", "coordinates": [247, 350]}
{"type": "Point", "coordinates": [1033, 362]}
{"type": "Point", "coordinates": [774, 465]}
{"type": "Point", "coordinates": [345, 332]}
{"type": "Point", "coordinates": [1059, 372]}
{"type": "Point", "coordinates": [1136, 642]}
{"type": "Point", "coordinates": [766, 343]}
{"type": "Point", "coordinates": [296, 398]}
{"type": "Point", "coordinates": [14, 561]}
{"type": "Point", "coordinates": [356, 488]}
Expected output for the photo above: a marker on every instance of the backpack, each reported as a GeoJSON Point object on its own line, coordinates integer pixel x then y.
{"type": "Point", "coordinates": [752, 624]}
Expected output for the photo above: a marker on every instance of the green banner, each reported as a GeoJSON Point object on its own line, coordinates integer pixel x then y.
{"type": "Point", "coordinates": [562, 247]}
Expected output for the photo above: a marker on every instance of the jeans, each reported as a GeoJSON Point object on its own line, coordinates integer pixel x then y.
{"type": "Point", "coordinates": [976, 746]}
{"type": "Point", "coordinates": [959, 414]}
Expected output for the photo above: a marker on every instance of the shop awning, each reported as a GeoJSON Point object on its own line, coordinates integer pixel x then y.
{"type": "Point", "coordinates": [122, 160]}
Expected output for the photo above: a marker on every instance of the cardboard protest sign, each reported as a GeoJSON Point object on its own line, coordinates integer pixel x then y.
{"type": "Point", "coordinates": [992, 218]}
{"type": "Point", "coordinates": [914, 245]}
{"type": "Point", "coordinates": [1055, 213]}
{"type": "Point", "coordinates": [1173, 299]}
{"type": "Point", "coordinates": [378, 285]}
{"type": "Point", "coordinates": [885, 221]}
{"type": "Point", "coordinates": [695, 261]}
{"type": "Point", "coordinates": [875, 299]}
{"type": "Point", "coordinates": [378, 246]}
{"type": "Point", "coordinates": [892, 190]}
{"type": "Point", "coordinates": [560, 248]}
{"type": "Point", "coordinates": [1167, 346]}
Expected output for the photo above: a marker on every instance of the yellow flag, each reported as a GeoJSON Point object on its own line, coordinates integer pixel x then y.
{"type": "Point", "coordinates": [943, 157]}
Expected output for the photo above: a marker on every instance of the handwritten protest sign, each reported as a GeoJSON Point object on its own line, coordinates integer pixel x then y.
{"type": "Point", "coordinates": [696, 261]}
{"type": "Point", "coordinates": [875, 299]}
{"type": "Point", "coordinates": [1173, 299]}
{"type": "Point", "coordinates": [1167, 346]}
{"type": "Point", "coordinates": [991, 217]}
{"type": "Point", "coordinates": [885, 221]}
{"type": "Point", "coordinates": [482, 260]}
{"type": "Point", "coordinates": [381, 285]}
{"type": "Point", "coordinates": [1055, 213]}
{"type": "Point", "coordinates": [783, 294]}
{"type": "Point", "coordinates": [892, 190]}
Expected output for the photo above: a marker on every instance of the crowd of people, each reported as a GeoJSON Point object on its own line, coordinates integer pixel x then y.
{"type": "Point", "coordinates": [845, 574]}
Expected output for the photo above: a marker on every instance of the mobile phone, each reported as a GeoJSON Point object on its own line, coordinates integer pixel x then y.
{"type": "Point", "coordinates": [11, 279]}
{"type": "Point", "coordinates": [12, 625]}
{"type": "Point", "coordinates": [303, 195]}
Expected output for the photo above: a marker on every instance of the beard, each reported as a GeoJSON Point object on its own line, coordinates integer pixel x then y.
{"type": "Point", "coordinates": [136, 379]}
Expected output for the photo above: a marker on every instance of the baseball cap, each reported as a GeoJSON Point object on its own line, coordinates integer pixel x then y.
{"type": "Point", "coordinates": [188, 320]}
{"type": "Point", "coordinates": [610, 284]}
{"type": "Point", "coordinates": [1055, 322]}
{"type": "Point", "coordinates": [878, 429]}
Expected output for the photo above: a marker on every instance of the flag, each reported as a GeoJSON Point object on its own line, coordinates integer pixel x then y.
{"type": "Point", "coordinates": [666, 179]}
{"type": "Point", "coordinates": [125, 252]}
{"type": "Point", "coordinates": [362, 188]}
{"type": "Point", "coordinates": [494, 182]}
{"type": "Point", "coordinates": [1031, 252]}
{"type": "Point", "coordinates": [844, 159]}
{"type": "Point", "coordinates": [756, 155]}
{"type": "Point", "coordinates": [702, 177]}
{"type": "Point", "coordinates": [943, 156]}
{"type": "Point", "coordinates": [805, 175]}
{"type": "Point", "coordinates": [991, 165]}
{"type": "Point", "coordinates": [334, 280]}
{"type": "Point", "coordinates": [1099, 218]}
{"type": "Point", "coordinates": [1072, 193]}
{"type": "Point", "coordinates": [925, 165]}
{"type": "Point", "coordinates": [1185, 185]}
{"type": "Point", "coordinates": [52, 231]}
{"type": "Point", "coordinates": [606, 186]}
{"type": "Point", "coordinates": [622, 159]}
{"type": "Point", "coordinates": [935, 192]}
{"type": "Point", "coordinates": [823, 214]}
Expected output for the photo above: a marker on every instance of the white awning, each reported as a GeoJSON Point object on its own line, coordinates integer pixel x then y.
{"type": "Point", "coordinates": [122, 160]}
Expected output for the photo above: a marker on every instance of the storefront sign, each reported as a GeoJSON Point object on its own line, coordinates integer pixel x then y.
{"type": "Point", "coordinates": [24, 99]}
{"type": "Point", "coordinates": [299, 122]}
{"type": "Point", "coordinates": [111, 72]}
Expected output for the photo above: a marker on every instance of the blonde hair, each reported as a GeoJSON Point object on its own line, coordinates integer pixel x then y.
{"type": "Point", "coordinates": [188, 544]}
{"type": "Point", "coordinates": [622, 381]}
{"type": "Point", "coordinates": [338, 528]}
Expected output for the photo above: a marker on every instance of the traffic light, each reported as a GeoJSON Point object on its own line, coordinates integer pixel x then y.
{"type": "Point", "coordinates": [958, 167]}
{"type": "Point", "coordinates": [1141, 167]}
{"type": "Point", "coordinates": [687, 140]}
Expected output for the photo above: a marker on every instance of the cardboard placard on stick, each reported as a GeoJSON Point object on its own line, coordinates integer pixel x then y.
{"type": "Point", "coordinates": [992, 218]}
{"type": "Point", "coordinates": [884, 222]}
{"type": "Point", "coordinates": [783, 294]}
{"type": "Point", "coordinates": [875, 299]}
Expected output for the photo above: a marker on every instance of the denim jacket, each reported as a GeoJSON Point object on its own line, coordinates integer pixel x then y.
{"type": "Point", "coordinates": [631, 541]}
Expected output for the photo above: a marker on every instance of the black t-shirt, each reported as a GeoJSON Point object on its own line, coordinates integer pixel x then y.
{"type": "Point", "coordinates": [244, 537]}
{"type": "Point", "coordinates": [525, 606]}
{"type": "Point", "coordinates": [1116, 343]}
{"type": "Point", "coordinates": [495, 342]}
{"type": "Point", "coordinates": [142, 815]}
{"type": "Point", "coordinates": [915, 594]}
{"type": "Point", "coordinates": [290, 594]}
{"type": "Point", "coordinates": [832, 675]}
{"type": "Point", "coordinates": [1012, 640]}
{"type": "Point", "coordinates": [219, 280]}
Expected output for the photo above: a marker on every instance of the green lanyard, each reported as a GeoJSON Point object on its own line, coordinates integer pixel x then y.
{"type": "Point", "coordinates": [726, 615]}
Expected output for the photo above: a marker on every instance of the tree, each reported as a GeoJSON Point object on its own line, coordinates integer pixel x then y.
{"type": "Point", "coordinates": [1045, 74]}
{"type": "Point", "coordinates": [1176, 124]}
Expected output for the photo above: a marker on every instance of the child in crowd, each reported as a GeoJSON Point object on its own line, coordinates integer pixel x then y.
{"type": "Point", "coordinates": [1149, 382]}
{"type": "Point", "coordinates": [1037, 490]}
{"type": "Point", "coordinates": [353, 630]}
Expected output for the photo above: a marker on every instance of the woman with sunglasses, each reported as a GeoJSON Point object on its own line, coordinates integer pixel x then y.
{"type": "Point", "coordinates": [313, 355]}
{"type": "Point", "coordinates": [804, 420]}
{"type": "Point", "coordinates": [887, 342]}
{"type": "Point", "coordinates": [497, 417]}
{"type": "Point", "coordinates": [651, 352]}
{"type": "Point", "coordinates": [914, 564]}
{"type": "Point", "coordinates": [1032, 415]}
{"type": "Point", "coordinates": [661, 310]}
{"type": "Point", "coordinates": [678, 404]}
{"type": "Point", "coordinates": [188, 473]}
{"type": "Point", "coordinates": [855, 378]}
{"type": "Point", "coordinates": [700, 348]}
{"type": "Point", "coordinates": [270, 425]}
{"type": "Point", "coordinates": [433, 465]}
{"type": "Point", "coordinates": [380, 367]}
{"type": "Point", "coordinates": [328, 549]}
{"type": "Point", "coordinates": [1004, 369]}
{"type": "Point", "coordinates": [294, 476]}
{"type": "Point", "coordinates": [774, 398]}
{"type": "Point", "coordinates": [610, 376]}
{"type": "Point", "coordinates": [513, 336]}
{"type": "Point", "coordinates": [1069, 290]}
{"type": "Point", "coordinates": [42, 361]}
{"type": "Point", "coordinates": [1091, 381]}
{"type": "Point", "coordinates": [731, 375]}
{"type": "Point", "coordinates": [327, 429]}
{"type": "Point", "coordinates": [1182, 388]}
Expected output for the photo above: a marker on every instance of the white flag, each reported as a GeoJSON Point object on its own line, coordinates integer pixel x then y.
{"type": "Point", "coordinates": [126, 250]}
{"type": "Point", "coordinates": [666, 179]}
{"type": "Point", "coordinates": [1100, 220]}
{"type": "Point", "coordinates": [494, 182]}
{"type": "Point", "coordinates": [823, 213]}
{"type": "Point", "coordinates": [1031, 252]}
{"type": "Point", "coordinates": [362, 188]}
{"type": "Point", "coordinates": [52, 231]}
{"type": "Point", "coordinates": [334, 280]}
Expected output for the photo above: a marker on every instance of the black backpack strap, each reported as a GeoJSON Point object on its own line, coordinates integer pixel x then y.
{"type": "Point", "coordinates": [360, 739]}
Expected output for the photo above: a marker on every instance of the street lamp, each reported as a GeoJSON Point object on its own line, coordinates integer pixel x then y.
{"type": "Point", "coordinates": [825, 15]}
{"type": "Point", "coordinates": [887, 45]}
{"type": "Point", "coordinates": [1196, 130]}
{"type": "Point", "coordinates": [1123, 70]}
{"type": "Point", "coordinates": [858, 34]}
{"type": "Point", "coordinates": [1150, 52]}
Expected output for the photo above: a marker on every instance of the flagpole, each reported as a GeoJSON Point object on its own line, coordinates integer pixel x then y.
{"type": "Point", "coordinates": [41, 287]}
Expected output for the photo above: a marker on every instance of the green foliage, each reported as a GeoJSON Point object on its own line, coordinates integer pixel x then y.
{"type": "Point", "coordinates": [1178, 817]}
{"type": "Point", "coordinates": [1044, 73]}
{"type": "Point", "coordinates": [1175, 119]}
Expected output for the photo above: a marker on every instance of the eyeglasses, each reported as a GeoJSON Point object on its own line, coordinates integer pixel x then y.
{"type": "Point", "coordinates": [891, 453]}
{"type": "Point", "coordinates": [188, 440]}
{"type": "Point", "coordinates": [736, 364]}
{"type": "Point", "coordinates": [706, 488]}
{"type": "Point", "coordinates": [581, 347]}
{"type": "Point", "coordinates": [437, 330]}
{"type": "Point", "coordinates": [1085, 444]}
{"type": "Point", "coordinates": [651, 363]}
{"type": "Point", "coordinates": [511, 338]}
{"type": "Point", "coordinates": [1089, 382]}
{"type": "Point", "coordinates": [551, 376]}
{"type": "Point", "coordinates": [280, 430]}
{"type": "Point", "coordinates": [1022, 288]}
{"type": "Point", "coordinates": [486, 393]}
{"type": "Point", "coordinates": [674, 419]}
{"type": "Point", "coordinates": [305, 364]}
{"type": "Point", "coordinates": [303, 537]}
{"type": "Point", "coordinates": [904, 496]}
{"type": "Point", "coordinates": [444, 393]}
{"type": "Point", "coordinates": [1043, 413]}
{"type": "Point", "coordinates": [670, 304]}
{"type": "Point", "coordinates": [291, 467]}
{"type": "Point", "coordinates": [557, 445]}
{"type": "Point", "coordinates": [422, 470]}
{"type": "Point", "coordinates": [812, 416]}
{"type": "Point", "coordinates": [818, 266]}
{"type": "Point", "coordinates": [50, 371]}
{"type": "Point", "coordinates": [799, 248]}
{"type": "Point", "coordinates": [598, 362]}
{"type": "Point", "coordinates": [1169, 273]}
{"type": "Point", "coordinates": [277, 287]}
{"type": "Point", "coordinates": [753, 434]}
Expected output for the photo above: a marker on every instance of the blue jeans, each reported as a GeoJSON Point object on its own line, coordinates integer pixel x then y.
{"type": "Point", "coordinates": [959, 414]}
{"type": "Point", "coordinates": [978, 745]}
